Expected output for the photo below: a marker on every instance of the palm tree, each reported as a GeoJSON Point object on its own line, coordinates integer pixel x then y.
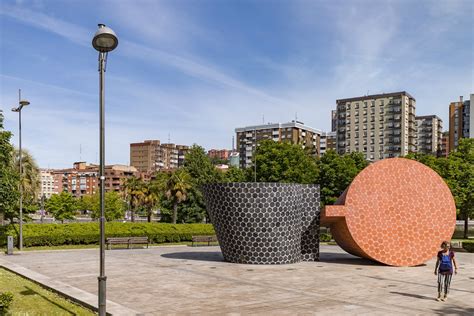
{"type": "Point", "coordinates": [177, 186]}
{"type": "Point", "coordinates": [30, 179]}
{"type": "Point", "coordinates": [133, 193]}
{"type": "Point", "coordinates": [150, 197]}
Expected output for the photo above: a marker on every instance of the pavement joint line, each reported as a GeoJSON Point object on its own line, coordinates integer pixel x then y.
{"type": "Point", "coordinates": [74, 294]}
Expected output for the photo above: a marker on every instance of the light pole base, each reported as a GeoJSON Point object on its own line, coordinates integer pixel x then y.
{"type": "Point", "coordinates": [102, 298]}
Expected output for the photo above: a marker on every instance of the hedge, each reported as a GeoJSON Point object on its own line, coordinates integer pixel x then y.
{"type": "Point", "coordinates": [468, 245]}
{"type": "Point", "coordinates": [88, 233]}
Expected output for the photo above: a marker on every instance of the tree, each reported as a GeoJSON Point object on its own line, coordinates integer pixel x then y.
{"type": "Point", "coordinates": [114, 205]}
{"type": "Point", "coordinates": [133, 193]}
{"type": "Point", "coordinates": [30, 178]}
{"type": "Point", "coordinates": [234, 174]}
{"type": "Point", "coordinates": [283, 162]}
{"type": "Point", "coordinates": [150, 197]}
{"type": "Point", "coordinates": [337, 172]}
{"type": "Point", "coordinates": [9, 177]}
{"type": "Point", "coordinates": [62, 206]}
{"type": "Point", "coordinates": [177, 187]}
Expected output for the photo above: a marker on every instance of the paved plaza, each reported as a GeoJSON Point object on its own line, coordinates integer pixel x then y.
{"type": "Point", "coordinates": [196, 280]}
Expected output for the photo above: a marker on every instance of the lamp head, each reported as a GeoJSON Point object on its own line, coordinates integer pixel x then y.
{"type": "Point", "coordinates": [24, 102]}
{"type": "Point", "coordinates": [104, 39]}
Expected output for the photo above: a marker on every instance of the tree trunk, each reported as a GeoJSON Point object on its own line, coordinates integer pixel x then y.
{"type": "Point", "coordinates": [175, 212]}
{"type": "Point", "coordinates": [132, 214]}
{"type": "Point", "coordinates": [466, 226]}
{"type": "Point", "coordinates": [149, 215]}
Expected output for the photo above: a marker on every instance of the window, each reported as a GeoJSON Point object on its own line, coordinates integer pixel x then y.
{"type": "Point", "coordinates": [357, 105]}
{"type": "Point", "coordinates": [365, 104]}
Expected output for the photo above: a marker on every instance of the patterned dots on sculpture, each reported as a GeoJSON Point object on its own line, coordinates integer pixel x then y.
{"type": "Point", "coordinates": [396, 211]}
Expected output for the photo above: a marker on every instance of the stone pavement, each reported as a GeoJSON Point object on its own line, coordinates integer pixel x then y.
{"type": "Point", "coordinates": [196, 280]}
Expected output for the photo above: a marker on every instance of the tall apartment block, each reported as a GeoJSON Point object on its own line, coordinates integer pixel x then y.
{"type": "Point", "coordinates": [328, 141]}
{"type": "Point", "coordinates": [460, 120]}
{"type": "Point", "coordinates": [429, 134]}
{"type": "Point", "coordinates": [294, 132]}
{"type": "Point", "coordinates": [445, 144]}
{"type": "Point", "coordinates": [47, 184]}
{"type": "Point", "coordinates": [380, 125]}
{"type": "Point", "coordinates": [150, 156]}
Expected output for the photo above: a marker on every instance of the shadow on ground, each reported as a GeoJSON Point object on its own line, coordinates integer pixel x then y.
{"type": "Point", "coordinates": [30, 291]}
{"type": "Point", "coordinates": [422, 297]}
{"type": "Point", "coordinates": [345, 258]}
{"type": "Point", "coordinates": [200, 256]}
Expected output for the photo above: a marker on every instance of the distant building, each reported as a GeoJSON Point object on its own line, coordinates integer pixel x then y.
{"type": "Point", "coordinates": [222, 154]}
{"type": "Point", "coordinates": [83, 178]}
{"type": "Point", "coordinates": [328, 141]}
{"type": "Point", "coordinates": [429, 134]}
{"type": "Point", "coordinates": [445, 144]}
{"type": "Point", "coordinates": [333, 120]}
{"type": "Point", "coordinates": [294, 132]}
{"type": "Point", "coordinates": [234, 159]}
{"type": "Point", "coordinates": [380, 126]}
{"type": "Point", "coordinates": [47, 184]}
{"type": "Point", "coordinates": [150, 156]}
{"type": "Point", "coordinates": [460, 119]}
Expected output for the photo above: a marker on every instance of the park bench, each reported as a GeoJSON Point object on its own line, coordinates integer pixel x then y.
{"type": "Point", "coordinates": [127, 241]}
{"type": "Point", "coordinates": [207, 239]}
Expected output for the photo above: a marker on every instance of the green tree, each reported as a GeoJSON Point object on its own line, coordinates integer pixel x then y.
{"type": "Point", "coordinates": [133, 194]}
{"type": "Point", "coordinates": [62, 206]}
{"type": "Point", "coordinates": [114, 206]}
{"type": "Point", "coordinates": [177, 187]}
{"type": "Point", "coordinates": [9, 177]}
{"type": "Point", "coordinates": [337, 172]}
{"type": "Point", "coordinates": [30, 178]}
{"type": "Point", "coordinates": [150, 197]}
{"type": "Point", "coordinates": [234, 174]}
{"type": "Point", "coordinates": [283, 162]}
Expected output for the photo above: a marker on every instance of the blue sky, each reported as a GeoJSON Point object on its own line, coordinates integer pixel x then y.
{"type": "Point", "coordinates": [195, 70]}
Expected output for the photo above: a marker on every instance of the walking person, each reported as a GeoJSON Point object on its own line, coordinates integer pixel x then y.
{"type": "Point", "coordinates": [444, 269]}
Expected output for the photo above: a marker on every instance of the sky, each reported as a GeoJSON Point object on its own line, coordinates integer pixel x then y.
{"type": "Point", "coordinates": [193, 71]}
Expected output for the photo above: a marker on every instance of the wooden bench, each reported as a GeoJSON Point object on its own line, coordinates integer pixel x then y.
{"type": "Point", "coordinates": [207, 239]}
{"type": "Point", "coordinates": [127, 241]}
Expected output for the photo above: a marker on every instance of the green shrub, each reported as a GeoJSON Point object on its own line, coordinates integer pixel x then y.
{"type": "Point", "coordinates": [468, 246]}
{"type": "Point", "coordinates": [325, 237]}
{"type": "Point", "coordinates": [6, 299]}
{"type": "Point", "coordinates": [88, 233]}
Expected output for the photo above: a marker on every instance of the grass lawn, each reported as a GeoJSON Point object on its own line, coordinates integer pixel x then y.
{"type": "Point", "coordinates": [32, 299]}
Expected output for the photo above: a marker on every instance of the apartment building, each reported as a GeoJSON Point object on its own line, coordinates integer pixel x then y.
{"type": "Point", "coordinates": [83, 179]}
{"type": "Point", "coordinates": [219, 154]}
{"type": "Point", "coordinates": [294, 132]}
{"type": "Point", "coordinates": [429, 134]}
{"type": "Point", "coordinates": [151, 155]}
{"type": "Point", "coordinates": [460, 120]}
{"type": "Point", "coordinates": [380, 126]}
{"type": "Point", "coordinates": [328, 141]}
{"type": "Point", "coordinates": [445, 144]}
{"type": "Point", "coordinates": [47, 184]}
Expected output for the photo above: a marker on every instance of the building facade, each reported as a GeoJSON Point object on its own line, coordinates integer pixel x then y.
{"type": "Point", "coordinates": [219, 154]}
{"type": "Point", "coordinates": [83, 178]}
{"type": "Point", "coordinates": [150, 156]}
{"type": "Point", "coordinates": [445, 144]}
{"type": "Point", "coordinates": [460, 119]}
{"type": "Point", "coordinates": [328, 141]}
{"type": "Point", "coordinates": [47, 184]}
{"type": "Point", "coordinates": [294, 132]}
{"type": "Point", "coordinates": [380, 126]}
{"type": "Point", "coordinates": [429, 134]}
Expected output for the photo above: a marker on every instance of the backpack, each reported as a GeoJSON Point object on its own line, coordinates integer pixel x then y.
{"type": "Point", "coordinates": [445, 264]}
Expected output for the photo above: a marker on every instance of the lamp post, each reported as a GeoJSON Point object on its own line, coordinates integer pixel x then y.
{"type": "Point", "coordinates": [21, 104]}
{"type": "Point", "coordinates": [104, 41]}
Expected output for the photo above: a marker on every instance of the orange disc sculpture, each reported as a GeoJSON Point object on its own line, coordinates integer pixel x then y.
{"type": "Point", "coordinates": [396, 211]}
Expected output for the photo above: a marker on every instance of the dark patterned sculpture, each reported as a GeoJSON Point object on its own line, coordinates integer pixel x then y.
{"type": "Point", "coordinates": [265, 223]}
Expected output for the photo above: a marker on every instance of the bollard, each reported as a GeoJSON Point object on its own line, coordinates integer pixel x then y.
{"type": "Point", "coordinates": [9, 245]}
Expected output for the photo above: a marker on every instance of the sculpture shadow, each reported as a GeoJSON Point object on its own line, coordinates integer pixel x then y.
{"type": "Point", "coordinates": [345, 258]}
{"type": "Point", "coordinates": [213, 256]}
{"type": "Point", "coordinates": [422, 297]}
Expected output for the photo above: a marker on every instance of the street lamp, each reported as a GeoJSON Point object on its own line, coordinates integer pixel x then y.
{"type": "Point", "coordinates": [21, 104]}
{"type": "Point", "coordinates": [104, 41]}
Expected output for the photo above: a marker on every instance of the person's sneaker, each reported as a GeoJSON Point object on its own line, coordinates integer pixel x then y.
{"type": "Point", "coordinates": [438, 298]}
{"type": "Point", "coordinates": [445, 298]}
